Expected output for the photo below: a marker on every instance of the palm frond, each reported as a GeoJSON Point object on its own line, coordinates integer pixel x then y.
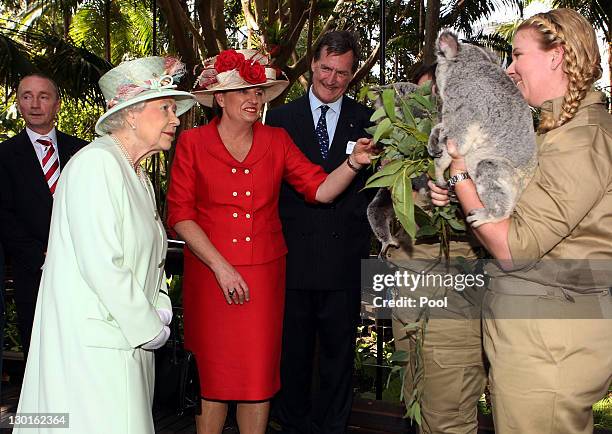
{"type": "Point", "coordinates": [497, 42]}
{"type": "Point", "coordinates": [14, 62]}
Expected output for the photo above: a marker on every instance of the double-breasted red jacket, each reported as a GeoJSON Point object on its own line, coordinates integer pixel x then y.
{"type": "Point", "coordinates": [236, 203]}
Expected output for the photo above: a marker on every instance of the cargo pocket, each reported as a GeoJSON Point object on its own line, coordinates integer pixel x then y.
{"type": "Point", "coordinates": [454, 381]}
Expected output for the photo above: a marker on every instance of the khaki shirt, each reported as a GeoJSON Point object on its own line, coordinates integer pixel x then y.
{"type": "Point", "coordinates": [565, 213]}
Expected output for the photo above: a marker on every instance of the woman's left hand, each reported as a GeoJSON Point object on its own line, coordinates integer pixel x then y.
{"type": "Point", "coordinates": [363, 150]}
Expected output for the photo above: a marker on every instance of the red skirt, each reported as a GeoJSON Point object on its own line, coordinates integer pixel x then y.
{"type": "Point", "coordinates": [237, 347]}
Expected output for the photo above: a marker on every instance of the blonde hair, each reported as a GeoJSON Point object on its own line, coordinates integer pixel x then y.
{"type": "Point", "coordinates": [568, 29]}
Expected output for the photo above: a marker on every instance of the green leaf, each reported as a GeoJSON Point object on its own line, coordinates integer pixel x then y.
{"type": "Point", "coordinates": [403, 203]}
{"type": "Point", "coordinates": [426, 231]}
{"type": "Point", "coordinates": [388, 97]}
{"type": "Point", "coordinates": [385, 181]}
{"type": "Point", "coordinates": [408, 115]}
{"type": "Point", "coordinates": [425, 126]}
{"type": "Point", "coordinates": [417, 413]}
{"type": "Point", "coordinates": [383, 128]}
{"type": "Point", "coordinates": [456, 224]}
{"type": "Point", "coordinates": [379, 113]}
{"type": "Point", "coordinates": [421, 217]}
{"type": "Point", "coordinates": [399, 356]}
{"type": "Point", "coordinates": [388, 169]}
{"type": "Point", "coordinates": [444, 212]}
{"type": "Point", "coordinates": [424, 102]}
{"type": "Point", "coordinates": [363, 92]}
{"type": "Point", "coordinates": [406, 146]}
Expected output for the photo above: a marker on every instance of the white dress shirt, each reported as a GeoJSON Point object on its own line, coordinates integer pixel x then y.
{"type": "Point", "coordinates": [40, 149]}
{"type": "Point", "coordinates": [332, 114]}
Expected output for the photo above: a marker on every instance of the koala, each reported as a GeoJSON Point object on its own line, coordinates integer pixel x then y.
{"type": "Point", "coordinates": [381, 217]}
{"type": "Point", "coordinates": [402, 89]}
{"type": "Point", "coordinates": [485, 113]}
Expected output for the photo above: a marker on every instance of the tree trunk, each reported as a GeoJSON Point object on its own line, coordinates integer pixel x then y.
{"type": "Point", "coordinates": [67, 21]}
{"type": "Point", "coordinates": [432, 26]}
{"type": "Point", "coordinates": [421, 24]}
{"type": "Point", "coordinates": [107, 30]}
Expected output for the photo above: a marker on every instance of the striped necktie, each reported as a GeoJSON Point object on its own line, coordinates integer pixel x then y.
{"type": "Point", "coordinates": [50, 163]}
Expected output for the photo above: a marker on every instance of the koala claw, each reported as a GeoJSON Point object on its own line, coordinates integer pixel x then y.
{"type": "Point", "coordinates": [385, 247]}
{"type": "Point", "coordinates": [478, 217]}
{"type": "Point", "coordinates": [441, 183]}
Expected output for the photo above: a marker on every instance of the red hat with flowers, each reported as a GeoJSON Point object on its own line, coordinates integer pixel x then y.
{"type": "Point", "coordinates": [237, 69]}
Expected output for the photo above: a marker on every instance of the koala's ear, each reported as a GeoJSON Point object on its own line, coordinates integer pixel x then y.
{"type": "Point", "coordinates": [448, 44]}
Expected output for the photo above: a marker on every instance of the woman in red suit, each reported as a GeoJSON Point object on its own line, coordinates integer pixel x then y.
{"type": "Point", "coordinates": [223, 201]}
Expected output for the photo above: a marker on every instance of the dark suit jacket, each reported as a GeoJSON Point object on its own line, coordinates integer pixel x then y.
{"type": "Point", "coordinates": [325, 242]}
{"type": "Point", "coordinates": [25, 207]}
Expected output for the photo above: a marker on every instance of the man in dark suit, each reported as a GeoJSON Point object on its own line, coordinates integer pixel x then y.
{"type": "Point", "coordinates": [326, 244]}
{"type": "Point", "coordinates": [30, 165]}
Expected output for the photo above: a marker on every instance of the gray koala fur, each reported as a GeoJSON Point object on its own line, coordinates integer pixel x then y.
{"type": "Point", "coordinates": [485, 113]}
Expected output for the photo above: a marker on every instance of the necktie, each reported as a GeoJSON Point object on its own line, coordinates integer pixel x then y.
{"type": "Point", "coordinates": [50, 163]}
{"type": "Point", "coordinates": [321, 132]}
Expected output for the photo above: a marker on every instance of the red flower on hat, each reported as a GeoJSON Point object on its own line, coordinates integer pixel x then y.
{"type": "Point", "coordinates": [253, 72]}
{"type": "Point", "coordinates": [228, 60]}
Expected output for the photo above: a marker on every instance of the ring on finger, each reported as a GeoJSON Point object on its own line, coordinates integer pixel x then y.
{"type": "Point", "coordinates": [231, 292]}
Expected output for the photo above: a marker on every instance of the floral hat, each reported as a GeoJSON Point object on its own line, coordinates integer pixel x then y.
{"type": "Point", "coordinates": [237, 69]}
{"type": "Point", "coordinates": [140, 80]}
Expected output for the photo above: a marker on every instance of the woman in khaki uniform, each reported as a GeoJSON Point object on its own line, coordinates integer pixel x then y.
{"type": "Point", "coordinates": [548, 319]}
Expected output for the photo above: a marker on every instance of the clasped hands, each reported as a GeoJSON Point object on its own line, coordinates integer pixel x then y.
{"type": "Point", "coordinates": [165, 315]}
{"type": "Point", "coordinates": [440, 196]}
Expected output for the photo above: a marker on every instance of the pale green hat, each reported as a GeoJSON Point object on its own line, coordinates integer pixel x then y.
{"type": "Point", "coordinates": [140, 80]}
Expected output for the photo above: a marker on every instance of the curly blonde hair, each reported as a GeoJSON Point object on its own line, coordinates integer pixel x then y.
{"type": "Point", "coordinates": [581, 61]}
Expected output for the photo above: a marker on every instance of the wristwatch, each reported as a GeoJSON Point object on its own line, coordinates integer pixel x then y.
{"type": "Point", "coordinates": [453, 180]}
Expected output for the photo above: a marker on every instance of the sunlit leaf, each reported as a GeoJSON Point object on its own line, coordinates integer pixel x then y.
{"type": "Point", "coordinates": [388, 97]}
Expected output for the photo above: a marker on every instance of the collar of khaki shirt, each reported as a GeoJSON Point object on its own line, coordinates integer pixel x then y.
{"type": "Point", "coordinates": [555, 105]}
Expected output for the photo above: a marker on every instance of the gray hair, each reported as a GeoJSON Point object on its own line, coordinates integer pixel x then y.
{"type": "Point", "coordinates": [116, 121]}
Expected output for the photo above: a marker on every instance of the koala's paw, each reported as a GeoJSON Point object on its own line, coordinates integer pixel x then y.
{"type": "Point", "coordinates": [385, 248]}
{"type": "Point", "coordinates": [479, 216]}
{"type": "Point", "coordinates": [437, 142]}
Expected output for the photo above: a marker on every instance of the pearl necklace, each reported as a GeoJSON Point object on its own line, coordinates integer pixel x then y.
{"type": "Point", "coordinates": [127, 156]}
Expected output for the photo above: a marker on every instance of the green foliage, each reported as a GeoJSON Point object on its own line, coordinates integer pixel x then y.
{"type": "Point", "coordinates": [12, 341]}
{"type": "Point", "coordinates": [402, 129]}
{"type": "Point", "coordinates": [79, 118]}
{"type": "Point", "coordinates": [131, 29]}
{"type": "Point", "coordinates": [366, 365]}
{"type": "Point", "coordinates": [602, 412]}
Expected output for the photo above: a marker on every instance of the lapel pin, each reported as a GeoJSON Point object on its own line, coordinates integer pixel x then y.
{"type": "Point", "coordinates": [351, 125]}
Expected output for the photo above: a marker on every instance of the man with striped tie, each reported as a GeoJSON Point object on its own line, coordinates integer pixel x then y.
{"type": "Point", "coordinates": [30, 166]}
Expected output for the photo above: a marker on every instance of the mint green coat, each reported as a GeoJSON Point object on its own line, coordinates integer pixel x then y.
{"type": "Point", "coordinates": [102, 281]}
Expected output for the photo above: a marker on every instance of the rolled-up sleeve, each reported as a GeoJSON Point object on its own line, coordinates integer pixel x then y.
{"type": "Point", "coordinates": [571, 178]}
{"type": "Point", "coordinates": [300, 172]}
{"type": "Point", "coordinates": [181, 192]}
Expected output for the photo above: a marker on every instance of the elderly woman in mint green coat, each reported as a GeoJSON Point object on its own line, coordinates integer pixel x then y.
{"type": "Point", "coordinates": [102, 306]}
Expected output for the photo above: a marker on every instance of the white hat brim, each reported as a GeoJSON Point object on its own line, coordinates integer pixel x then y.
{"type": "Point", "coordinates": [273, 88]}
{"type": "Point", "coordinates": [184, 101]}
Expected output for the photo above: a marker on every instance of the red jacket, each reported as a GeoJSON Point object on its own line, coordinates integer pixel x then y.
{"type": "Point", "coordinates": [236, 203]}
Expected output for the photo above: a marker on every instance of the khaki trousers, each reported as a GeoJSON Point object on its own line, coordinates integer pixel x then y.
{"type": "Point", "coordinates": [454, 373]}
{"type": "Point", "coordinates": [546, 371]}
